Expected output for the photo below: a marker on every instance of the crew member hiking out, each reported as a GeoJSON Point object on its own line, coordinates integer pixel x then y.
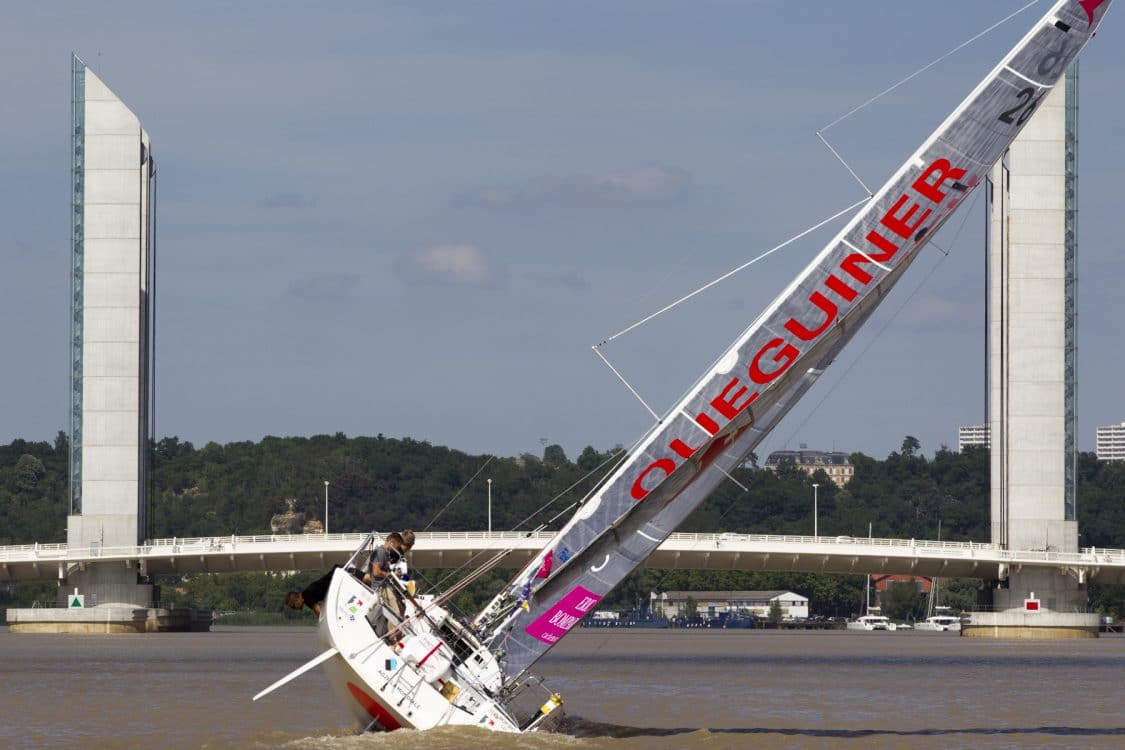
{"type": "Point", "coordinates": [312, 595]}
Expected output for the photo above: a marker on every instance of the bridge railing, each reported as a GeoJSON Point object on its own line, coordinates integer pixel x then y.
{"type": "Point", "coordinates": [260, 542]}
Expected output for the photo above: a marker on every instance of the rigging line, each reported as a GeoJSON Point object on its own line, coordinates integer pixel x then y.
{"type": "Point", "coordinates": [847, 166]}
{"type": "Point", "coordinates": [577, 482]}
{"type": "Point", "coordinates": [732, 272]}
{"type": "Point", "coordinates": [628, 385]}
{"type": "Point", "coordinates": [926, 67]}
{"type": "Point", "coordinates": [883, 328]}
{"type": "Point", "coordinates": [458, 493]}
{"type": "Point", "coordinates": [460, 584]}
{"type": "Point", "coordinates": [472, 559]}
{"type": "Point", "coordinates": [726, 474]}
{"type": "Point", "coordinates": [451, 574]}
{"type": "Point", "coordinates": [534, 513]}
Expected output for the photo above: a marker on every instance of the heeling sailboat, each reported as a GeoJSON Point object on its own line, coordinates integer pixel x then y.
{"type": "Point", "coordinates": [702, 439]}
{"type": "Point", "coordinates": [770, 366]}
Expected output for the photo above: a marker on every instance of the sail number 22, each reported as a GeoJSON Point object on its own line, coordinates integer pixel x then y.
{"type": "Point", "coordinates": [1026, 106]}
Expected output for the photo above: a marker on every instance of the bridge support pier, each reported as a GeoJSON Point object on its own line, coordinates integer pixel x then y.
{"type": "Point", "coordinates": [110, 618]}
{"type": "Point", "coordinates": [1037, 603]}
{"type": "Point", "coordinates": [106, 598]}
{"type": "Point", "coordinates": [1031, 402]}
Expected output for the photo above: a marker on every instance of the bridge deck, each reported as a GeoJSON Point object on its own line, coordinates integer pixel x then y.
{"type": "Point", "coordinates": [838, 554]}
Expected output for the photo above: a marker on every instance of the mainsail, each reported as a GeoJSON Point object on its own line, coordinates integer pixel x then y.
{"type": "Point", "coordinates": [769, 367]}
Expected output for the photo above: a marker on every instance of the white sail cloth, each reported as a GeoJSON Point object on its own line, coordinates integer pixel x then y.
{"type": "Point", "coordinates": [767, 369]}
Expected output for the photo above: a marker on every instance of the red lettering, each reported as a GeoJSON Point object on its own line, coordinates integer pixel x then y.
{"type": "Point", "coordinates": [846, 292]}
{"type": "Point", "coordinates": [725, 404]}
{"type": "Point", "coordinates": [851, 267]}
{"type": "Point", "coordinates": [707, 423]}
{"type": "Point", "coordinates": [826, 306]}
{"type": "Point", "coordinates": [666, 465]}
{"type": "Point", "coordinates": [784, 357]}
{"type": "Point", "coordinates": [944, 171]}
{"type": "Point", "coordinates": [682, 449]}
{"type": "Point", "coordinates": [901, 225]}
{"type": "Point", "coordinates": [889, 248]}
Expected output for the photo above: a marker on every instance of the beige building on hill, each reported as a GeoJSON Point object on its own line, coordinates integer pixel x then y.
{"type": "Point", "coordinates": [836, 465]}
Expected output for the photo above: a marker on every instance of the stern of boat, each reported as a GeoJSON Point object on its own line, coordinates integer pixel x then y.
{"type": "Point", "coordinates": [429, 673]}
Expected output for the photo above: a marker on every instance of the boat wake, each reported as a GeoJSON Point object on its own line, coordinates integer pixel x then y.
{"type": "Point", "coordinates": [581, 728]}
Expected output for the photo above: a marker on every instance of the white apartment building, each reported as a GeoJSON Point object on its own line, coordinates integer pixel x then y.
{"type": "Point", "coordinates": [974, 434]}
{"type": "Point", "coordinates": [1111, 442]}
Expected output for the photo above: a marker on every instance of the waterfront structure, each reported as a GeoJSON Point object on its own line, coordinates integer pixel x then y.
{"type": "Point", "coordinates": [1032, 243]}
{"type": "Point", "coordinates": [975, 434]}
{"type": "Point", "coordinates": [838, 466]}
{"type": "Point", "coordinates": [1111, 442]}
{"type": "Point", "coordinates": [710, 604]}
{"type": "Point", "coordinates": [111, 383]}
{"type": "Point", "coordinates": [111, 343]}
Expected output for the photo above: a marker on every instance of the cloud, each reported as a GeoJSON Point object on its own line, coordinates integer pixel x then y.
{"type": "Point", "coordinates": [325, 287]}
{"type": "Point", "coordinates": [643, 185]}
{"type": "Point", "coordinates": [448, 265]}
{"type": "Point", "coordinates": [287, 200]}
{"type": "Point", "coordinates": [572, 280]}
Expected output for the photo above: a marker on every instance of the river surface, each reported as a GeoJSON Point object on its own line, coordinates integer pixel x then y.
{"type": "Point", "coordinates": [624, 690]}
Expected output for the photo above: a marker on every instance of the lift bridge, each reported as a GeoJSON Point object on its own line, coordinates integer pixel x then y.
{"type": "Point", "coordinates": [454, 549]}
{"type": "Point", "coordinates": [1031, 199]}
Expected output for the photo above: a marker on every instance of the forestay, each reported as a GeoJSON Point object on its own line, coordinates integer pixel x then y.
{"type": "Point", "coordinates": [771, 365]}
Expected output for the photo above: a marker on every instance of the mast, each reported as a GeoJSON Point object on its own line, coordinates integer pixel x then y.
{"type": "Point", "coordinates": [759, 378]}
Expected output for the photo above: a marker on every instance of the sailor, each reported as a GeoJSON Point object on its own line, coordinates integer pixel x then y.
{"type": "Point", "coordinates": [385, 561]}
{"type": "Point", "coordinates": [312, 595]}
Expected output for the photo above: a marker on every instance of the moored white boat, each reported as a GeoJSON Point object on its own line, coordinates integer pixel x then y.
{"type": "Point", "coordinates": [940, 623]}
{"type": "Point", "coordinates": [870, 622]}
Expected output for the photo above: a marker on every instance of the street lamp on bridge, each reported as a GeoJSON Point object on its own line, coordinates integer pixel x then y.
{"type": "Point", "coordinates": [326, 507]}
{"type": "Point", "coordinates": [490, 506]}
{"type": "Point", "coordinates": [815, 530]}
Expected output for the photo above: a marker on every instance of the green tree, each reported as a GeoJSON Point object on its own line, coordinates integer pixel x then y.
{"type": "Point", "coordinates": [903, 601]}
{"type": "Point", "coordinates": [775, 611]}
{"type": "Point", "coordinates": [555, 455]}
{"type": "Point", "coordinates": [691, 608]}
{"type": "Point", "coordinates": [29, 470]}
{"type": "Point", "coordinates": [910, 445]}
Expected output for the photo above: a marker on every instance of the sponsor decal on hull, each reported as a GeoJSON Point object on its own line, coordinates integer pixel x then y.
{"type": "Point", "coordinates": [559, 619]}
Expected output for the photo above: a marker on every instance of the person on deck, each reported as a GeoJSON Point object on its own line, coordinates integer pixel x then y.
{"type": "Point", "coordinates": [312, 595]}
{"type": "Point", "coordinates": [383, 562]}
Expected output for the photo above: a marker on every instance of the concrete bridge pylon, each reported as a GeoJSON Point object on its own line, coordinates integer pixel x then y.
{"type": "Point", "coordinates": [111, 384]}
{"type": "Point", "coordinates": [1032, 244]}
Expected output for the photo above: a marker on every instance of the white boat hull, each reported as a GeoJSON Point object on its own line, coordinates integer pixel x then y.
{"type": "Point", "coordinates": [408, 684]}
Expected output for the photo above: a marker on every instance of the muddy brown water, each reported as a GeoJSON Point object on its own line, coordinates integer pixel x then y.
{"type": "Point", "coordinates": [623, 690]}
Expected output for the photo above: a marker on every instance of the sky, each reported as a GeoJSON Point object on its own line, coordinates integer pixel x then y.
{"type": "Point", "coordinates": [415, 219]}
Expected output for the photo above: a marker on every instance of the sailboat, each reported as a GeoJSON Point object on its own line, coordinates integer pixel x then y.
{"type": "Point", "coordinates": [432, 669]}
{"type": "Point", "coordinates": [938, 617]}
